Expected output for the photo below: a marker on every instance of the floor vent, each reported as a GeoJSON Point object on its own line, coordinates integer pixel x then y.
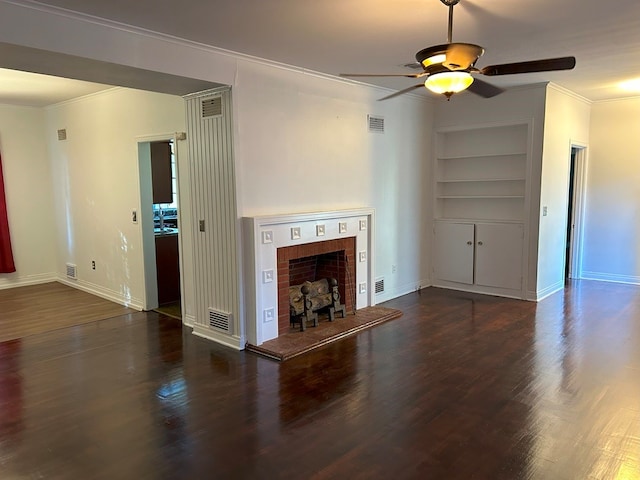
{"type": "Point", "coordinates": [220, 320]}
{"type": "Point", "coordinates": [379, 286]}
{"type": "Point", "coordinates": [71, 271]}
{"type": "Point", "coordinates": [376, 124]}
{"type": "Point", "coordinates": [211, 107]}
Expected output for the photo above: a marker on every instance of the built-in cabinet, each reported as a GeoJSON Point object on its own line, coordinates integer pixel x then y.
{"type": "Point", "coordinates": [161, 177]}
{"type": "Point", "coordinates": [167, 269]}
{"type": "Point", "coordinates": [479, 208]}
{"type": "Point", "coordinates": [482, 254]}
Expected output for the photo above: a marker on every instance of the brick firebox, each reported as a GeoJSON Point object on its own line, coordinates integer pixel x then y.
{"type": "Point", "coordinates": [298, 263]}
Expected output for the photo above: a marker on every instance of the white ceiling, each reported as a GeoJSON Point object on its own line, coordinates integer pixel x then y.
{"type": "Point", "coordinates": [380, 36]}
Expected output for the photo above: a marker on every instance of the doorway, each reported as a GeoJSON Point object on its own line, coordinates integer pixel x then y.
{"type": "Point", "coordinates": [575, 210]}
{"type": "Point", "coordinates": [160, 218]}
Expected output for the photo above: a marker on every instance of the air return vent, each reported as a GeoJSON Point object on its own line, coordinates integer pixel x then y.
{"type": "Point", "coordinates": [71, 271]}
{"type": "Point", "coordinates": [379, 285]}
{"type": "Point", "coordinates": [211, 107]}
{"type": "Point", "coordinates": [376, 124]}
{"type": "Point", "coordinates": [220, 320]}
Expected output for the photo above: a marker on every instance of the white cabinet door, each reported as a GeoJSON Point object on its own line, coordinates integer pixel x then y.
{"type": "Point", "coordinates": [498, 259]}
{"type": "Point", "coordinates": [454, 252]}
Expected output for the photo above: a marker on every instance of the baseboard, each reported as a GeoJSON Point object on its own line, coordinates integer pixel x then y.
{"type": "Point", "coordinates": [550, 290]}
{"type": "Point", "coordinates": [237, 343]}
{"type": "Point", "coordinates": [401, 290]}
{"type": "Point", "coordinates": [102, 292]}
{"type": "Point", "coordinates": [609, 277]}
{"type": "Point", "coordinates": [189, 320]}
{"type": "Point", "coordinates": [12, 280]}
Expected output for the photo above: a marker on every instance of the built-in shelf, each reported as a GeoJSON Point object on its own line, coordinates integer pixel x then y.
{"type": "Point", "coordinates": [482, 155]}
{"type": "Point", "coordinates": [465, 180]}
{"type": "Point", "coordinates": [481, 173]}
{"type": "Point", "coordinates": [479, 196]}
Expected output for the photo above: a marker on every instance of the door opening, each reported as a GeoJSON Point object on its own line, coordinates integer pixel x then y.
{"type": "Point", "coordinates": [573, 245]}
{"type": "Point", "coordinates": [160, 225]}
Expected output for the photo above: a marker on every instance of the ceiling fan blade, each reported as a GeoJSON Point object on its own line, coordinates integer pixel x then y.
{"type": "Point", "coordinates": [401, 92]}
{"type": "Point", "coordinates": [484, 89]}
{"type": "Point", "coordinates": [407, 75]}
{"type": "Point", "coordinates": [546, 65]}
{"type": "Point", "coordinates": [461, 56]}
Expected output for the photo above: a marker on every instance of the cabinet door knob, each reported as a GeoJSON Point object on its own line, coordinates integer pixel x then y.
{"type": "Point", "coordinates": [469, 242]}
{"type": "Point", "coordinates": [480, 243]}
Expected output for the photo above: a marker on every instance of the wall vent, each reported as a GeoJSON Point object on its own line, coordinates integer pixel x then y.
{"type": "Point", "coordinates": [71, 271]}
{"type": "Point", "coordinates": [62, 134]}
{"type": "Point", "coordinates": [220, 320]}
{"type": "Point", "coordinates": [376, 124]}
{"type": "Point", "coordinates": [211, 107]}
{"type": "Point", "coordinates": [379, 285]}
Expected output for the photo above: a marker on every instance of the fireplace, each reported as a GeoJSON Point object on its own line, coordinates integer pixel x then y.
{"type": "Point", "coordinates": [313, 261]}
{"type": "Point", "coordinates": [335, 244]}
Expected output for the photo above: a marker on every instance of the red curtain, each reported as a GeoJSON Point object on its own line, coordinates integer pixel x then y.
{"type": "Point", "coordinates": [6, 255]}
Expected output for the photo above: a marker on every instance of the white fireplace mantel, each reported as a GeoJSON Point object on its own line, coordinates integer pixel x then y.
{"type": "Point", "coordinates": [263, 236]}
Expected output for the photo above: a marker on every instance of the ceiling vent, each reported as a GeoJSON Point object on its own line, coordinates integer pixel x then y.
{"type": "Point", "coordinates": [211, 107]}
{"type": "Point", "coordinates": [72, 271]}
{"type": "Point", "coordinates": [376, 124]}
{"type": "Point", "coordinates": [220, 320]}
{"type": "Point", "coordinates": [62, 134]}
{"type": "Point", "coordinates": [379, 285]}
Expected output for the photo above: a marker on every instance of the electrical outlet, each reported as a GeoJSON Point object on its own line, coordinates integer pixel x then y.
{"type": "Point", "coordinates": [544, 211]}
{"type": "Point", "coordinates": [93, 264]}
{"type": "Point", "coordinates": [394, 268]}
{"type": "Point", "coordinates": [134, 216]}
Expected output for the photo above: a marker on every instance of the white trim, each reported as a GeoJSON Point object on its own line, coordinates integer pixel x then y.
{"type": "Point", "coordinates": [263, 235]}
{"type": "Point", "coordinates": [576, 251]}
{"type": "Point", "coordinates": [548, 291]}
{"type": "Point", "coordinates": [10, 280]}
{"type": "Point", "coordinates": [569, 93]}
{"type": "Point", "coordinates": [107, 294]}
{"type": "Point", "coordinates": [234, 342]}
{"type": "Point", "coordinates": [401, 290]}
{"type": "Point", "coordinates": [611, 277]}
{"type": "Point", "coordinates": [188, 320]}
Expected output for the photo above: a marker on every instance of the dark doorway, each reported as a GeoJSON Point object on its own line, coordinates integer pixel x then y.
{"type": "Point", "coordinates": [570, 215]}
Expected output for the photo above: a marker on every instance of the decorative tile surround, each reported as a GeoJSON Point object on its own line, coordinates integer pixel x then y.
{"type": "Point", "coordinates": [266, 234]}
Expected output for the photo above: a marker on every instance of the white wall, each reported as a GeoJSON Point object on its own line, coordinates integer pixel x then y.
{"type": "Point", "coordinates": [324, 120]}
{"type": "Point", "coordinates": [305, 147]}
{"type": "Point", "coordinates": [29, 196]}
{"type": "Point", "coordinates": [566, 124]}
{"type": "Point", "coordinates": [96, 185]}
{"type": "Point", "coordinates": [612, 225]}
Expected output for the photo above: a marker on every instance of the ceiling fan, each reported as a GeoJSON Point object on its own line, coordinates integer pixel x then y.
{"type": "Point", "coordinates": [448, 68]}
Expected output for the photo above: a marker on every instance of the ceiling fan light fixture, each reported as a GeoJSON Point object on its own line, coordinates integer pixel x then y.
{"type": "Point", "coordinates": [448, 83]}
{"type": "Point", "coordinates": [434, 60]}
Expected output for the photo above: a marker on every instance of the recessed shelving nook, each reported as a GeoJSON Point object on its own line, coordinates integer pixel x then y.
{"type": "Point", "coordinates": [480, 206]}
{"type": "Point", "coordinates": [481, 173]}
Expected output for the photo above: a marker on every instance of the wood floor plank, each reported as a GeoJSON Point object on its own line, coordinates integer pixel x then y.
{"type": "Point", "coordinates": [42, 308]}
{"type": "Point", "coordinates": [461, 386]}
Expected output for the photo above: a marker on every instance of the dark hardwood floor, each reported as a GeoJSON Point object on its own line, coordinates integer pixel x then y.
{"type": "Point", "coordinates": [462, 386]}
